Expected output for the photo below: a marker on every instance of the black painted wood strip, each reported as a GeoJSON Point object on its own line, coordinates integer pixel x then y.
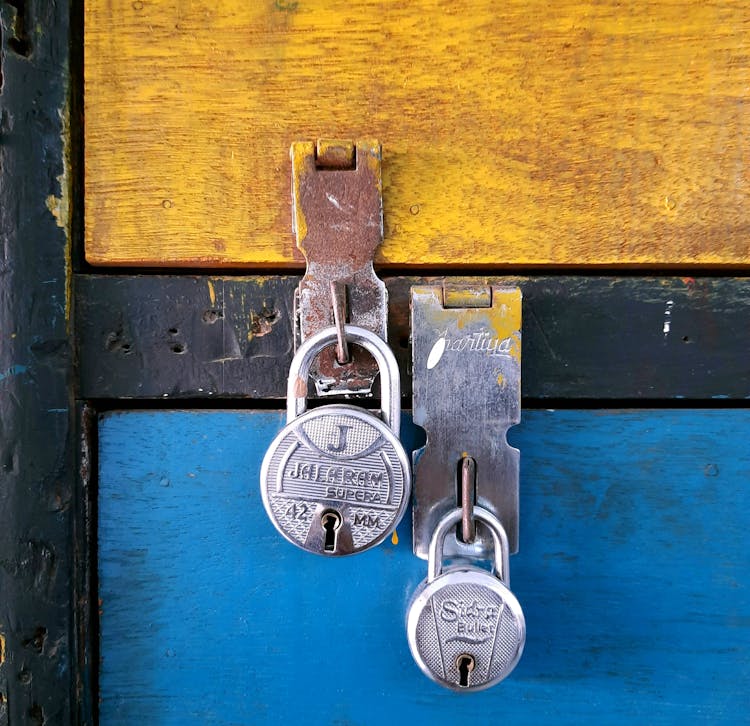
{"type": "Point", "coordinates": [584, 338]}
{"type": "Point", "coordinates": [38, 665]}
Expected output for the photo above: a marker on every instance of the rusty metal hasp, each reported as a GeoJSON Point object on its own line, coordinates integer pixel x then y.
{"type": "Point", "coordinates": [338, 222]}
{"type": "Point", "coordinates": [466, 347]}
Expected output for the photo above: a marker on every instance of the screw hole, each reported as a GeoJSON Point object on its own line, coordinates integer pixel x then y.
{"type": "Point", "coordinates": [178, 348]}
{"type": "Point", "coordinates": [211, 316]}
{"type": "Point", "coordinates": [36, 641]}
{"type": "Point", "coordinates": [36, 714]}
{"type": "Point", "coordinates": [117, 342]}
{"type": "Point", "coordinates": [270, 315]}
{"type": "Point", "coordinates": [685, 339]}
{"type": "Point", "coordinates": [173, 331]}
{"type": "Point", "coordinates": [262, 323]}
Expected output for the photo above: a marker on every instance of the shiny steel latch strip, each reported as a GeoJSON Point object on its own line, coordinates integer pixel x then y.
{"type": "Point", "coordinates": [337, 206]}
{"type": "Point", "coordinates": [466, 348]}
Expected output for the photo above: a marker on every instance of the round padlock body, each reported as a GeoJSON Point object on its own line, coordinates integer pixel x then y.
{"type": "Point", "coordinates": [466, 629]}
{"type": "Point", "coordinates": [336, 465]}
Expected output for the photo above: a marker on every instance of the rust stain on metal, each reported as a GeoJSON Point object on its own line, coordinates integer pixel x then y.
{"type": "Point", "coordinates": [338, 302]}
{"type": "Point", "coordinates": [342, 208]}
{"type": "Point", "coordinates": [468, 498]}
{"type": "Point", "coordinates": [335, 154]}
{"type": "Point", "coordinates": [300, 387]}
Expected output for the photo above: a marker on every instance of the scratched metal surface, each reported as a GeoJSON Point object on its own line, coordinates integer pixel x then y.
{"type": "Point", "coordinates": [634, 575]}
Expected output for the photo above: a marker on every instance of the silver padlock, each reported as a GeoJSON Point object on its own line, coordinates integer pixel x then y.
{"type": "Point", "coordinates": [336, 480]}
{"type": "Point", "coordinates": [465, 628]}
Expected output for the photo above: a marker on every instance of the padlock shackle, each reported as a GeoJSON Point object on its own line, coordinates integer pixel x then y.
{"type": "Point", "coordinates": [499, 538]}
{"type": "Point", "coordinates": [390, 384]}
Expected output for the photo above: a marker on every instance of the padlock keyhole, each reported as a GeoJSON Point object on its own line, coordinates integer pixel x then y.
{"type": "Point", "coordinates": [331, 521]}
{"type": "Point", "coordinates": [465, 664]}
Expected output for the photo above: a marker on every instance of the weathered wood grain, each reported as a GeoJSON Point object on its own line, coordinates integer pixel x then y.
{"type": "Point", "coordinates": [574, 132]}
{"type": "Point", "coordinates": [583, 337]}
{"type": "Point", "coordinates": [633, 573]}
{"type": "Point", "coordinates": [41, 678]}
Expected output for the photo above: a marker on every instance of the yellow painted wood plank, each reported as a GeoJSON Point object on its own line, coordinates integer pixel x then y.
{"type": "Point", "coordinates": [565, 133]}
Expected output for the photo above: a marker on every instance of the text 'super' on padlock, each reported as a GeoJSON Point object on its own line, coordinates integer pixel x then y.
{"type": "Point", "coordinates": [336, 480]}
{"type": "Point", "coordinates": [465, 628]}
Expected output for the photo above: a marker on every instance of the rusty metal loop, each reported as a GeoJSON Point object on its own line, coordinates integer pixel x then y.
{"type": "Point", "coordinates": [338, 300]}
{"type": "Point", "coordinates": [468, 498]}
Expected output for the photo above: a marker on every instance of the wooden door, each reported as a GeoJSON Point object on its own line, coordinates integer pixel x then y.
{"type": "Point", "coordinates": [593, 154]}
{"type": "Point", "coordinates": [580, 135]}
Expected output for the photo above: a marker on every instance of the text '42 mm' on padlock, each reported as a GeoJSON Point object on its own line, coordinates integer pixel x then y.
{"type": "Point", "coordinates": [336, 479]}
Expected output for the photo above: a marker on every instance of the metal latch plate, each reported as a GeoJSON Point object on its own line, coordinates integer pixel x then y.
{"type": "Point", "coordinates": [466, 395]}
{"type": "Point", "coordinates": [338, 222]}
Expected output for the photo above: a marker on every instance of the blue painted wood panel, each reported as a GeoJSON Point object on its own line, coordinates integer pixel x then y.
{"type": "Point", "coordinates": [634, 575]}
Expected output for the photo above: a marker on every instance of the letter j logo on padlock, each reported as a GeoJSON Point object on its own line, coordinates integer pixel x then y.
{"type": "Point", "coordinates": [341, 443]}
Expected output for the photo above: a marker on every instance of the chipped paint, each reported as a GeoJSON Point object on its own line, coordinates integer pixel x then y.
{"type": "Point", "coordinates": [56, 206]}
{"type": "Point", "coordinates": [668, 318]}
{"type": "Point", "coordinates": [2, 648]}
{"type": "Point", "coordinates": [465, 296]}
{"type": "Point", "coordinates": [394, 537]}
{"type": "Point", "coordinates": [59, 207]}
{"type": "Point", "coordinates": [211, 293]}
{"type": "Point", "coordinates": [15, 370]}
